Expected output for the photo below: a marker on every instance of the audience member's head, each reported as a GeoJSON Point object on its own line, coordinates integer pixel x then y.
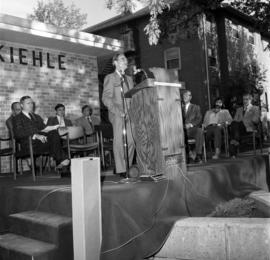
{"type": "Point", "coordinates": [218, 103]}
{"type": "Point", "coordinates": [247, 99]}
{"type": "Point", "coordinates": [120, 62]}
{"type": "Point", "coordinates": [60, 110]}
{"type": "Point", "coordinates": [187, 96]}
{"type": "Point", "coordinates": [27, 104]}
{"type": "Point", "coordinates": [16, 108]}
{"type": "Point", "coordinates": [87, 110]}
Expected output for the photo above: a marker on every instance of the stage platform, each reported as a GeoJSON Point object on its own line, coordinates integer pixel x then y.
{"type": "Point", "coordinates": [136, 217]}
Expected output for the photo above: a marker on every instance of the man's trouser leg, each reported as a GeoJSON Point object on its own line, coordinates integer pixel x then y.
{"type": "Point", "coordinates": [118, 145]}
{"type": "Point", "coordinates": [197, 134]}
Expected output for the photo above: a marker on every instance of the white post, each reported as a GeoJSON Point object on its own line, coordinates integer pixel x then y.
{"type": "Point", "coordinates": [86, 208]}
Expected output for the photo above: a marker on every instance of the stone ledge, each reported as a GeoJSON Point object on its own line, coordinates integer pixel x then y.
{"type": "Point", "coordinates": [218, 239]}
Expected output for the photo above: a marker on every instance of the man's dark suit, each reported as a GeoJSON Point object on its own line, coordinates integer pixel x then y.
{"type": "Point", "coordinates": [244, 122]}
{"type": "Point", "coordinates": [25, 127]}
{"type": "Point", "coordinates": [193, 116]}
{"type": "Point", "coordinates": [54, 121]}
{"type": "Point", "coordinates": [9, 124]}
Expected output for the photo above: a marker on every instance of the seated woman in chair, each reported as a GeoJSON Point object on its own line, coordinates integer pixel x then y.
{"type": "Point", "coordinates": [214, 121]}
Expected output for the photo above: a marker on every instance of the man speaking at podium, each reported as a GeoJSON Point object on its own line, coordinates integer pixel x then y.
{"type": "Point", "coordinates": [113, 99]}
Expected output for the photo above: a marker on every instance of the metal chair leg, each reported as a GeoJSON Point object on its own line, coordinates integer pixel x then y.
{"type": "Point", "coordinates": [41, 165]}
{"type": "Point", "coordinates": [10, 163]}
{"type": "Point", "coordinates": [32, 160]}
{"type": "Point", "coordinates": [260, 140]}
{"type": "Point", "coordinates": [14, 167]}
{"type": "Point", "coordinates": [226, 141]}
{"type": "Point", "coordinates": [204, 152]}
{"type": "Point", "coordinates": [21, 166]}
{"type": "Point", "coordinates": [254, 143]}
{"type": "Point", "coordinates": [102, 150]}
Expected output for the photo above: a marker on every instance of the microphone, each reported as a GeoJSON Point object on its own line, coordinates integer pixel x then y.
{"type": "Point", "coordinates": [139, 75]}
{"type": "Point", "coordinates": [136, 71]}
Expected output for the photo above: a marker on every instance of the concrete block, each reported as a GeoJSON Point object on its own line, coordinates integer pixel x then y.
{"type": "Point", "coordinates": [218, 239]}
{"type": "Point", "coordinates": [248, 239]}
{"type": "Point", "coordinates": [194, 237]}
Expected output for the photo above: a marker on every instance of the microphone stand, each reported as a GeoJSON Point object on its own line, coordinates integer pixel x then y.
{"type": "Point", "coordinates": [127, 179]}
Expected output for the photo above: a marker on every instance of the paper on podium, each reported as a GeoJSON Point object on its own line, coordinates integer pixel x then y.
{"type": "Point", "coordinates": [86, 207]}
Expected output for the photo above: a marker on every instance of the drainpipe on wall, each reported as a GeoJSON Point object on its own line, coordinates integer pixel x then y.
{"type": "Point", "coordinates": [206, 60]}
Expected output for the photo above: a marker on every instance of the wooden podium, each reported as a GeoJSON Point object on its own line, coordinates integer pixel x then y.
{"type": "Point", "coordinates": [156, 116]}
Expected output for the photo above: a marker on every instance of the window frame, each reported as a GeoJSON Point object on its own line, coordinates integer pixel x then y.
{"type": "Point", "coordinates": [165, 55]}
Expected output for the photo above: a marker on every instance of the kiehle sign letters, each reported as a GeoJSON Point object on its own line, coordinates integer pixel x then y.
{"type": "Point", "coordinates": [34, 58]}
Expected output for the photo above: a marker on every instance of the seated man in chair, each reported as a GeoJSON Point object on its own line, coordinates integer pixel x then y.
{"type": "Point", "coordinates": [44, 138]}
{"type": "Point", "coordinates": [16, 109]}
{"type": "Point", "coordinates": [245, 120]}
{"type": "Point", "coordinates": [60, 118]}
{"type": "Point", "coordinates": [192, 118]}
{"type": "Point", "coordinates": [87, 121]}
{"type": "Point", "coordinates": [214, 121]}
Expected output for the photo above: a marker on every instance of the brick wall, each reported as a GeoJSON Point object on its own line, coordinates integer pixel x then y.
{"type": "Point", "coordinates": [75, 86]}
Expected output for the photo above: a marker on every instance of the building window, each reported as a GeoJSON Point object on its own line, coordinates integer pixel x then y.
{"type": "Point", "coordinates": [127, 38]}
{"type": "Point", "coordinates": [235, 31]}
{"type": "Point", "coordinates": [172, 58]}
{"type": "Point", "coordinates": [212, 60]}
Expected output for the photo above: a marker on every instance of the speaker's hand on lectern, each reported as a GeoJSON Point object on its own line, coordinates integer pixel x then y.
{"type": "Point", "coordinates": [188, 125]}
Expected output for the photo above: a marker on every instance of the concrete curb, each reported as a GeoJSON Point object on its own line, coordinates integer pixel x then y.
{"type": "Point", "coordinates": [218, 239]}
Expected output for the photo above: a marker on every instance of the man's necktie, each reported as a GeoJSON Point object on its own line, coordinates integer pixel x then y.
{"type": "Point", "coordinates": [90, 122]}
{"type": "Point", "coordinates": [244, 111]}
{"type": "Point", "coordinates": [126, 81]}
{"type": "Point", "coordinates": [32, 116]}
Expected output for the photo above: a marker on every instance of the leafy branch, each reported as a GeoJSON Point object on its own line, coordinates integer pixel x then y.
{"type": "Point", "coordinates": [185, 13]}
{"type": "Point", "coordinates": [59, 15]}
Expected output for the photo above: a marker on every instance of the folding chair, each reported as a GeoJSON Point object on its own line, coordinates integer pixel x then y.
{"type": "Point", "coordinates": [76, 133]}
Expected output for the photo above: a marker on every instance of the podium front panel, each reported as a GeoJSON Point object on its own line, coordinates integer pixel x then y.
{"type": "Point", "coordinates": [171, 125]}
{"type": "Point", "coordinates": [158, 129]}
{"type": "Point", "coordinates": [145, 124]}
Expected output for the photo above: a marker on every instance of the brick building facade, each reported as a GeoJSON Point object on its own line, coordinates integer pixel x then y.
{"type": "Point", "coordinates": [75, 85]}
{"type": "Point", "coordinates": [204, 62]}
{"type": "Point", "coordinates": [49, 66]}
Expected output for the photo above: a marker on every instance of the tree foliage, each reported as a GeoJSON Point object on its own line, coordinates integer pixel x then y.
{"type": "Point", "coordinates": [185, 13]}
{"type": "Point", "coordinates": [57, 14]}
{"type": "Point", "coordinates": [246, 75]}
{"type": "Point", "coordinates": [258, 9]}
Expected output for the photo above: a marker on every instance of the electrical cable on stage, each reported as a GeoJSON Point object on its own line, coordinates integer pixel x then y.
{"type": "Point", "coordinates": [49, 193]}
{"type": "Point", "coordinates": [154, 216]}
{"type": "Point", "coordinates": [143, 232]}
{"type": "Point", "coordinates": [186, 179]}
